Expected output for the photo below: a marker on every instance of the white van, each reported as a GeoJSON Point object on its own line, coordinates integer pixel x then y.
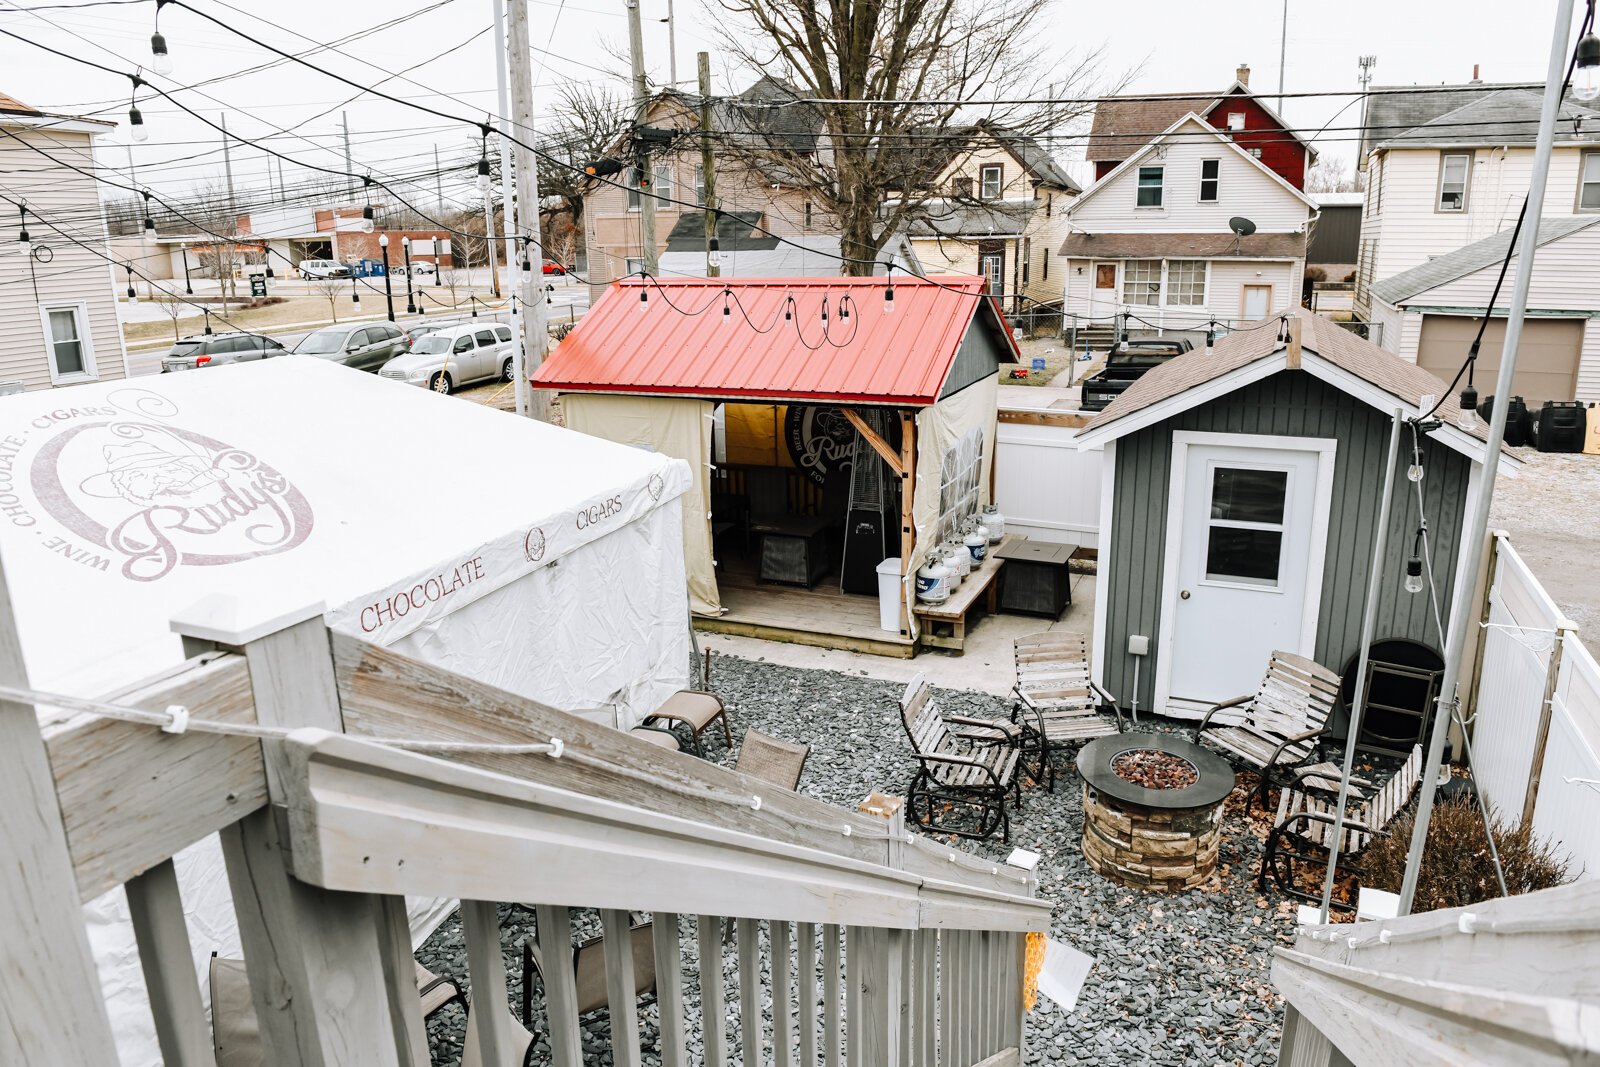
{"type": "Point", "coordinates": [455, 356]}
{"type": "Point", "coordinates": [316, 269]}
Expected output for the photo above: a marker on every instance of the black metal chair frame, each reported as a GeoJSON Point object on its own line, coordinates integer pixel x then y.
{"type": "Point", "coordinates": [1287, 846]}
{"type": "Point", "coordinates": [1043, 770]}
{"type": "Point", "coordinates": [927, 793]}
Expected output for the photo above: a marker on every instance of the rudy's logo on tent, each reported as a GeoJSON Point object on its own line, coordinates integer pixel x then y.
{"type": "Point", "coordinates": [820, 440]}
{"type": "Point", "coordinates": [156, 496]}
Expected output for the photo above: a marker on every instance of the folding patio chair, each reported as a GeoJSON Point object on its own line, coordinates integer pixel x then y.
{"type": "Point", "coordinates": [772, 760]}
{"type": "Point", "coordinates": [1278, 727]}
{"type": "Point", "coordinates": [588, 963]}
{"type": "Point", "coordinates": [962, 763]}
{"type": "Point", "coordinates": [1063, 703]}
{"type": "Point", "coordinates": [697, 709]}
{"type": "Point", "coordinates": [1304, 826]}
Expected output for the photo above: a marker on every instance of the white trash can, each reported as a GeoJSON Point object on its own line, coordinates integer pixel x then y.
{"type": "Point", "coordinates": [889, 595]}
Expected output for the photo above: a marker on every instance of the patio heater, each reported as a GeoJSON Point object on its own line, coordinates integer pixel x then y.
{"type": "Point", "coordinates": [388, 286]}
{"type": "Point", "coordinates": [405, 248]}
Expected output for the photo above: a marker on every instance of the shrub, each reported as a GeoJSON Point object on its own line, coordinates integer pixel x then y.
{"type": "Point", "coordinates": [1316, 274]}
{"type": "Point", "coordinates": [1456, 867]}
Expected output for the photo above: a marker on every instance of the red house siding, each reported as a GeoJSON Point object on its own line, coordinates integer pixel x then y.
{"type": "Point", "coordinates": [1104, 167]}
{"type": "Point", "coordinates": [1279, 149]}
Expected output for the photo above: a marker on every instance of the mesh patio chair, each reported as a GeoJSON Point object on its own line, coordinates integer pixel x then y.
{"type": "Point", "coordinates": [695, 708]}
{"type": "Point", "coordinates": [962, 764]}
{"type": "Point", "coordinates": [1278, 727]}
{"type": "Point", "coordinates": [1304, 826]}
{"type": "Point", "coordinates": [658, 736]}
{"type": "Point", "coordinates": [1062, 703]}
{"type": "Point", "coordinates": [772, 760]}
{"type": "Point", "coordinates": [588, 965]}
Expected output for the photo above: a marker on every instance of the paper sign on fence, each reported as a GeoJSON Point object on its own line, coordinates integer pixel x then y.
{"type": "Point", "coordinates": [1063, 974]}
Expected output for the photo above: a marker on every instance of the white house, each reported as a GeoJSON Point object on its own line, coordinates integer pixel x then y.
{"type": "Point", "coordinates": [1431, 312]}
{"type": "Point", "coordinates": [1447, 169]}
{"type": "Point", "coordinates": [1153, 238]}
{"type": "Point", "coordinates": [58, 290]}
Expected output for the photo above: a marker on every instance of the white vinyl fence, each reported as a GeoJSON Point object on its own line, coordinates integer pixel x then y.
{"type": "Point", "coordinates": [1536, 678]}
{"type": "Point", "coordinates": [1045, 487]}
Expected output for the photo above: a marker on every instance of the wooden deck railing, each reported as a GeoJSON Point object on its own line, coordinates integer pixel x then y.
{"type": "Point", "coordinates": [885, 948]}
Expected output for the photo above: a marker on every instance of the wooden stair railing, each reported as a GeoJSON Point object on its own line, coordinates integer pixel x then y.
{"type": "Point", "coordinates": [881, 948]}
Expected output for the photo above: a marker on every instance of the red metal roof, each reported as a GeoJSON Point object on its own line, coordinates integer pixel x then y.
{"type": "Point", "coordinates": [680, 343]}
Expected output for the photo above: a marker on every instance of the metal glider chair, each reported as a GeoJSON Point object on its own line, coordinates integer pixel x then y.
{"type": "Point", "coordinates": [963, 764]}
{"type": "Point", "coordinates": [1061, 704]}
{"type": "Point", "coordinates": [1304, 826]}
{"type": "Point", "coordinates": [1276, 728]}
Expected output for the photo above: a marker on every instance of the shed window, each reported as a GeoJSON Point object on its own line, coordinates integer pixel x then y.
{"type": "Point", "coordinates": [990, 184]}
{"type": "Point", "coordinates": [1210, 173]}
{"type": "Point", "coordinates": [1454, 168]}
{"type": "Point", "coordinates": [1141, 281]}
{"type": "Point", "coordinates": [1186, 282]}
{"type": "Point", "coordinates": [1245, 539]}
{"type": "Point", "coordinates": [1150, 179]}
{"type": "Point", "coordinates": [1589, 183]}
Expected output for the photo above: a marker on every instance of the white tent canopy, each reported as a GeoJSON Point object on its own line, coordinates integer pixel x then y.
{"type": "Point", "coordinates": [422, 523]}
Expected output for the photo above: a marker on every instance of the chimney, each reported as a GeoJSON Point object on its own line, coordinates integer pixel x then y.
{"type": "Point", "coordinates": [1475, 78]}
{"type": "Point", "coordinates": [1242, 75]}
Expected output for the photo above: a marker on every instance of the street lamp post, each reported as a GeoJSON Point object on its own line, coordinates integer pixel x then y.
{"type": "Point", "coordinates": [388, 289]}
{"type": "Point", "coordinates": [438, 244]}
{"type": "Point", "coordinates": [405, 247]}
{"type": "Point", "coordinates": [187, 287]}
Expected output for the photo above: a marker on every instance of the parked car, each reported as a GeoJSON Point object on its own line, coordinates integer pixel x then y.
{"type": "Point", "coordinates": [364, 346]}
{"type": "Point", "coordinates": [552, 267]}
{"type": "Point", "coordinates": [423, 268]}
{"type": "Point", "coordinates": [455, 356]}
{"type": "Point", "coordinates": [417, 330]}
{"type": "Point", "coordinates": [1126, 363]}
{"type": "Point", "coordinates": [216, 350]}
{"type": "Point", "coordinates": [321, 269]}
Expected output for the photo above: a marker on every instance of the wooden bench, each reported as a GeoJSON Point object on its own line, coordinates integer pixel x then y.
{"type": "Point", "coordinates": [953, 612]}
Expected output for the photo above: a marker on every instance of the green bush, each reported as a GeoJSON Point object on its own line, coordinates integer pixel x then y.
{"type": "Point", "coordinates": [1456, 866]}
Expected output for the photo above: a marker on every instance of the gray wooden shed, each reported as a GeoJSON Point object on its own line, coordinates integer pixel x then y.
{"type": "Point", "coordinates": [1238, 507]}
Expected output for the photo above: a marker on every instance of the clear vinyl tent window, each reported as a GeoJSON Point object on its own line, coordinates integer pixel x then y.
{"type": "Point", "coordinates": [958, 483]}
{"type": "Point", "coordinates": [1244, 539]}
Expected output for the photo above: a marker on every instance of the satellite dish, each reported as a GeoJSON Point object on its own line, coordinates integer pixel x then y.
{"type": "Point", "coordinates": [1241, 226]}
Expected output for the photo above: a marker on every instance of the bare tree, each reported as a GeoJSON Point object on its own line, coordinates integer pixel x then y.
{"type": "Point", "coordinates": [592, 118]}
{"type": "Point", "coordinates": [174, 309]}
{"type": "Point", "coordinates": [1330, 174]}
{"type": "Point", "coordinates": [886, 93]}
{"type": "Point", "coordinates": [330, 290]}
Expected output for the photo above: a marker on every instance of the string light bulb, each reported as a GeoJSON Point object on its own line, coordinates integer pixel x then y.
{"type": "Point", "coordinates": [160, 58]}
{"type": "Point", "coordinates": [1468, 418]}
{"type": "Point", "coordinates": [727, 307]}
{"type": "Point", "coordinates": [788, 309]}
{"type": "Point", "coordinates": [133, 294]}
{"type": "Point", "coordinates": [149, 223]}
{"type": "Point", "coordinates": [644, 299]}
{"type": "Point", "coordinates": [1414, 472]}
{"type": "Point", "coordinates": [136, 125]}
{"type": "Point", "coordinates": [1586, 86]}
{"type": "Point", "coordinates": [483, 163]}
{"type": "Point", "coordinates": [366, 190]}
{"type": "Point", "coordinates": [714, 253]}
{"type": "Point", "coordinates": [824, 310]}
{"type": "Point", "coordinates": [1414, 575]}
{"type": "Point", "coordinates": [22, 237]}
{"type": "Point", "coordinates": [888, 291]}
{"type": "Point", "coordinates": [844, 308]}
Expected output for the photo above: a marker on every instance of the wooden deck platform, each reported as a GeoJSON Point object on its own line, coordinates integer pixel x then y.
{"type": "Point", "coordinates": [821, 616]}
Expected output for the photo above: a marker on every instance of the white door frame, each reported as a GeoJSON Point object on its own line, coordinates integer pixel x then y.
{"type": "Point", "coordinates": [1177, 490]}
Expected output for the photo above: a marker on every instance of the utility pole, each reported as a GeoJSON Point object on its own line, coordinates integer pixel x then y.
{"type": "Point", "coordinates": [488, 236]}
{"type": "Point", "coordinates": [1283, 53]}
{"type": "Point", "coordinates": [535, 335]}
{"type": "Point", "coordinates": [438, 182]}
{"type": "Point", "coordinates": [349, 161]}
{"type": "Point", "coordinates": [227, 169]}
{"type": "Point", "coordinates": [641, 97]}
{"type": "Point", "coordinates": [508, 184]}
{"type": "Point", "coordinates": [713, 264]}
{"type": "Point", "coordinates": [1366, 64]}
{"type": "Point", "coordinates": [1461, 605]}
{"type": "Point", "coordinates": [672, 46]}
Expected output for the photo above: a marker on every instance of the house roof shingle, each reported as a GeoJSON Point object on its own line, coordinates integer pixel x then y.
{"type": "Point", "coordinates": [972, 220]}
{"type": "Point", "coordinates": [1468, 259]}
{"type": "Point", "coordinates": [1393, 111]}
{"type": "Point", "coordinates": [12, 106]}
{"type": "Point", "coordinates": [1401, 379]}
{"type": "Point", "coordinates": [1122, 127]}
{"type": "Point", "coordinates": [1198, 245]}
{"type": "Point", "coordinates": [1507, 116]}
{"type": "Point", "coordinates": [736, 231]}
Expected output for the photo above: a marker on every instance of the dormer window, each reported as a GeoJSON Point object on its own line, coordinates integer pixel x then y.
{"type": "Point", "coordinates": [989, 184]}
{"type": "Point", "coordinates": [1150, 182]}
{"type": "Point", "coordinates": [1210, 170]}
{"type": "Point", "coordinates": [1236, 120]}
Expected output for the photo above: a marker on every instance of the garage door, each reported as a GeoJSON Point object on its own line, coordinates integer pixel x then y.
{"type": "Point", "coordinates": [1547, 365]}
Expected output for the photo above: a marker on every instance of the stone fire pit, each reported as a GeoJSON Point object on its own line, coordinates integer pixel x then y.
{"type": "Point", "coordinates": [1152, 807]}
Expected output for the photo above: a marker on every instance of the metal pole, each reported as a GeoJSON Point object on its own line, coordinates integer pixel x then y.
{"type": "Point", "coordinates": [438, 257]}
{"type": "Point", "coordinates": [1369, 620]}
{"type": "Point", "coordinates": [488, 237]}
{"type": "Point", "coordinates": [438, 182]}
{"type": "Point", "coordinates": [227, 169]}
{"type": "Point", "coordinates": [641, 97]}
{"type": "Point", "coordinates": [405, 249]}
{"type": "Point", "coordinates": [672, 46]}
{"type": "Point", "coordinates": [1478, 519]}
{"type": "Point", "coordinates": [703, 60]}
{"type": "Point", "coordinates": [188, 287]}
{"type": "Point", "coordinates": [513, 206]}
{"type": "Point", "coordinates": [534, 403]}
{"type": "Point", "coordinates": [1283, 52]}
{"type": "Point", "coordinates": [349, 161]}
{"type": "Point", "coordinates": [388, 289]}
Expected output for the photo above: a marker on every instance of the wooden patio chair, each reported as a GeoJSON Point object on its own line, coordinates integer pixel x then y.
{"type": "Point", "coordinates": [697, 709]}
{"type": "Point", "coordinates": [1304, 826]}
{"type": "Point", "coordinates": [772, 760]}
{"type": "Point", "coordinates": [962, 764]}
{"type": "Point", "coordinates": [588, 965]}
{"type": "Point", "coordinates": [1062, 703]}
{"type": "Point", "coordinates": [1278, 727]}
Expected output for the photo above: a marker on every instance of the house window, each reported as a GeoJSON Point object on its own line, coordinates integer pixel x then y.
{"type": "Point", "coordinates": [961, 187]}
{"type": "Point", "coordinates": [1049, 202]}
{"type": "Point", "coordinates": [1454, 168]}
{"type": "Point", "coordinates": [989, 184]}
{"type": "Point", "coordinates": [632, 183]}
{"type": "Point", "coordinates": [66, 329]}
{"type": "Point", "coordinates": [700, 186]}
{"type": "Point", "coordinates": [992, 265]}
{"type": "Point", "coordinates": [1150, 179]}
{"type": "Point", "coordinates": [1236, 120]}
{"type": "Point", "coordinates": [1210, 173]}
{"type": "Point", "coordinates": [635, 265]}
{"type": "Point", "coordinates": [1186, 282]}
{"type": "Point", "coordinates": [808, 214]}
{"type": "Point", "coordinates": [1245, 539]}
{"type": "Point", "coordinates": [1027, 259]}
{"type": "Point", "coordinates": [663, 182]}
{"type": "Point", "coordinates": [1589, 182]}
{"type": "Point", "coordinates": [1141, 281]}
{"type": "Point", "coordinates": [1045, 262]}
{"type": "Point", "coordinates": [1255, 153]}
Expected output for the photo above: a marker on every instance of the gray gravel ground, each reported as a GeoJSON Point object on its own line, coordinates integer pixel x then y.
{"type": "Point", "coordinates": [1546, 511]}
{"type": "Point", "coordinates": [1178, 979]}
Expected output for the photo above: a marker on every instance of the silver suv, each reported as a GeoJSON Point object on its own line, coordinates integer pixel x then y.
{"type": "Point", "coordinates": [216, 350]}
{"type": "Point", "coordinates": [364, 346]}
{"type": "Point", "coordinates": [455, 356]}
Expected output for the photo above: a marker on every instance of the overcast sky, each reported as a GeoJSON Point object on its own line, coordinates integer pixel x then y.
{"type": "Point", "coordinates": [1173, 46]}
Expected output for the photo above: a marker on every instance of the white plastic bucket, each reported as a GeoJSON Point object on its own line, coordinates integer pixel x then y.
{"type": "Point", "coordinates": [889, 595]}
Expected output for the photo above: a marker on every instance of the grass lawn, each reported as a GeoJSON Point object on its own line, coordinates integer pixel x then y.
{"type": "Point", "coordinates": [1056, 360]}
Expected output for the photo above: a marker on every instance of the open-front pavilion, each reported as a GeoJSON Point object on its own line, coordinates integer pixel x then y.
{"type": "Point", "coordinates": [833, 424]}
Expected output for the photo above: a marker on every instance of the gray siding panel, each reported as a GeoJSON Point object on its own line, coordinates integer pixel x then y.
{"type": "Point", "coordinates": [1336, 236]}
{"type": "Point", "coordinates": [1291, 403]}
{"type": "Point", "coordinates": [977, 359]}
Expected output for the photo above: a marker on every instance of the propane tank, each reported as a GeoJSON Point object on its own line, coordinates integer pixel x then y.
{"type": "Point", "coordinates": [995, 522]}
{"type": "Point", "coordinates": [977, 542]}
{"type": "Point", "coordinates": [933, 581]}
{"type": "Point", "coordinates": [959, 560]}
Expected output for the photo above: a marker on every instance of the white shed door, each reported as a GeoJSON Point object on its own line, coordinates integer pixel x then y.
{"type": "Point", "coordinates": [1547, 358]}
{"type": "Point", "coordinates": [1244, 566]}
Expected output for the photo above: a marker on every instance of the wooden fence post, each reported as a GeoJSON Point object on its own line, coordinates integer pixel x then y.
{"type": "Point", "coordinates": [51, 1009]}
{"type": "Point", "coordinates": [1541, 737]}
{"type": "Point", "coordinates": [314, 956]}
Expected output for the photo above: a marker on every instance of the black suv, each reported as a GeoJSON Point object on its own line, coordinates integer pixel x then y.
{"type": "Point", "coordinates": [215, 350]}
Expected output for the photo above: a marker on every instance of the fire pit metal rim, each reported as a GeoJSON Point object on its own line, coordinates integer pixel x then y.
{"type": "Point", "coordinates": [1215, 782]}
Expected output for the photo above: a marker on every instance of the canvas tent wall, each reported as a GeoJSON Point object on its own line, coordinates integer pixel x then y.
{"type": "Point", "coordinates": [294, 481]}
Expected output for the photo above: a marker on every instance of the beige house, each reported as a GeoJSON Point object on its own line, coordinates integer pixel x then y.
{"type": "Point", "coordinates": [1000, 213]}
{"type": "Point", "coordinates": [58, 290]}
